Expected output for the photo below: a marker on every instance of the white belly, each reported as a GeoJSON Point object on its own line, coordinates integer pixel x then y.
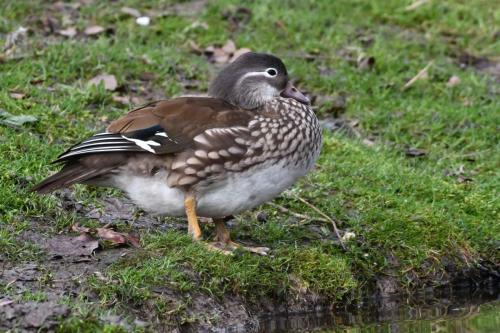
{"type": "Point", "coordinates": [236, 193]}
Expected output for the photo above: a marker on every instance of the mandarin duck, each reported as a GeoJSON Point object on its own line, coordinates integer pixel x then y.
{"type": "Point", "coordinates": [249, 140]}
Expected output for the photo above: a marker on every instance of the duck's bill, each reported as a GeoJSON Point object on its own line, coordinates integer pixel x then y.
{"type": "Point", "coordinates": [292, 92]}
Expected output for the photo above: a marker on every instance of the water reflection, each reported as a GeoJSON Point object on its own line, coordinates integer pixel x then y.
{"type": "Point", "coordinates": [464, 311]}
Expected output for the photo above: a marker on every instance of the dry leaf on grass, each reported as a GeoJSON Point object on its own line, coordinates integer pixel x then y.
{"type": "Point", "coordinates": [237, 17]}
{"type": "Point", "coordinates": [108, 80]}
{"type": "Point", "coordinates": [6, 302]}
{"type": "Point", "coordinates": [13, 38]}
{"type": "Point", "coordinates": [453, 81]}
{"type": "Point", "coordinates": [127, 100]}
{"type": "Point", "coordinates": [16, 45]}
{"type": "Point", "coordinates": [69, 32]}
{"type": "Point", "coordinates": [130, 11]}
{"type": "Point", "coordinates": [415, 152]}
{"type": "Point", "coordinates": [93, 30]}
{"type": "Point", "coordinates": [16, 95]}
{"type": "Point", "coordinates": [64, 246]}
{"type": "Point", "coordinates": [239, 52]}
{"type": "Point", "coordinates": [114, 237]}
{"type": "Point", "coordinates": [365, 62]}
{"type": "Point", "coordinates": [334, 105]}
{"type": "Point", "coordinates": [11, 120]}
{"type": "Point", "coordinates": [220, 55]}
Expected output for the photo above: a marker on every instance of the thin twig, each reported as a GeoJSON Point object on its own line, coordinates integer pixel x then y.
{"type": "Point", "coordinates": [298, 215]}
{"type": "Point", "coordinates": [415, 5]}
{"type": "Point", "coordinates": [419, 75]}
{"type": "Point", "coordinates": [317, 210]}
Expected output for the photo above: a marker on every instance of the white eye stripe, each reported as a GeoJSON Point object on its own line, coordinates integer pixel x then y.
{"type": "Point", "coordinates": [263, 74]}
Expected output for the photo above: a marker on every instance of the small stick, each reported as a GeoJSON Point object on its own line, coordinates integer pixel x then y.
{"type": "Point", "coordinates": [298, 215]}
{"type": "Point", "coordinates": [317, 210]}
{"type": "Point", "coordinates": [415, 5]}
{"type": "Point", "coordinates": [419, 75]}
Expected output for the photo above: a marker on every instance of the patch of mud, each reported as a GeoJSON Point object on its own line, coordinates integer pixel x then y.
{"type": "Point", "coordinates": [116, 210]}
{"type": "Point", "coordinates": [35, 290]}
{"type": "Point", "coordinates": [481, 64]}
{"type": "Point", "coordinates": [31, 315]}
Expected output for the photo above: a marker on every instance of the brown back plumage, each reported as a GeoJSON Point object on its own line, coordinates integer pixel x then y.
{"type": "Point", "coordinates": [181, 119]}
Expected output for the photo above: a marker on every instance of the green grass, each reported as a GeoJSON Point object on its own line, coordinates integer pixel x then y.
{"type": "Point", "coordinates": [412, 217]}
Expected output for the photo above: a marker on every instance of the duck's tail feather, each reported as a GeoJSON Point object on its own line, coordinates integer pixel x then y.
{"type": "Point", "coordinates": [70, 174]}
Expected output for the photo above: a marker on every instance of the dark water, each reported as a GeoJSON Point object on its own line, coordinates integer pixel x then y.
{"type": "Point", "coordinates": [464, 311]}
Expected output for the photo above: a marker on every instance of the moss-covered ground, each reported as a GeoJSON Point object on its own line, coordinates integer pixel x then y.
{"type": "Point", "coordinates": [411, 178]}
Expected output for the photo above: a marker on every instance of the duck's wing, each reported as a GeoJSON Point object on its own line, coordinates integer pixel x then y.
{"type": "Point", "coordinates": [159, 128]}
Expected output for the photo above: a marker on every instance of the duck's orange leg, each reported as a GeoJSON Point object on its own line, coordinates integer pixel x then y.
{"type": "Point", "coordinates": [193, 225]}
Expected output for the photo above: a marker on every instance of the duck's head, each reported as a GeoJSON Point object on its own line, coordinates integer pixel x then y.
{"type": "Point", "coordinates": [252, 80]}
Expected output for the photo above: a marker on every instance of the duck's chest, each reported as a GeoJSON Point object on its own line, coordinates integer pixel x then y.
{"type": "Point", "coordinates": [287, 130]}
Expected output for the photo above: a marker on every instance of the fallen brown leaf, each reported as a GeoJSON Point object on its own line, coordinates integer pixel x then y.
{"type": "Point", "coordinates": [237, 17]}
{"type": "Point", "coordinates": [130, 11]}
{"type": "Point", "coordinates": [415, 152]}
{"type": "Point", "coordinates": [117, 238]}
{"type": "Point", "coordinates": [64, 246]}
{"type": "Point", "coordinates": [334, 105]}
{"type": "Point", "coordinates": [368, 142]}
{"type": "Point", "coordinates": [194, 47]}
{"type": "Point", "coordinates": [93, 30]}
{"type": "Point", "coordinates": [147, 76]}
{"type": "Point", "coordinates": [220, 55]}
{"type": "Point", "coordinates": [453, 81]}
{"type": "Point", "coordinates": [365, 62]}
{"type": "Point", "coordinates": [229, 47]}
{"type": "Point", "coordinates": [13, 37]}
{"type": "Point", "coordinates": [50, 24]}
{"type": "Point", "coordinates": [239, 52]}
{"type": "Point", "coordinates": [69, 32]}
{"type": "Point", "coordinates": [108, 80]}
{"type": "Point", "coordinates": [114, 237]}
{"type": "Point", "coordinates": [127, 100]}
{"type": "Point", "coordinates": [16, 95]}
{"type": "Point", "coordinates": [37, 80]}
{"type": "Point", "coordinates": [342, 126]}
{"type": "Point", "coordinates": [6, 302]}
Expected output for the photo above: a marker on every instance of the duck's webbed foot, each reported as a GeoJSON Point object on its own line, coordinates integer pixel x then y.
{"type": "Point", "coordinates": [222, 241]}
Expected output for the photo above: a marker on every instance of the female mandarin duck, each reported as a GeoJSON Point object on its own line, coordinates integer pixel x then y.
{"type": "Point", "coordinates": [215, 156]}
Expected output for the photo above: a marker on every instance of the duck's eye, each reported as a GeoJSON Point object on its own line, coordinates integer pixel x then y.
{"type": "Point", "coordinates": [271, 72]}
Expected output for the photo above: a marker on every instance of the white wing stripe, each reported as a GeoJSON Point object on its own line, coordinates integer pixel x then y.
{"type": "Point", "coordinates": [144, 145]}
{"type": "Point", "coordinates": [102, 139]}
{"type": "Point", "coordinates": [95, 150]}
